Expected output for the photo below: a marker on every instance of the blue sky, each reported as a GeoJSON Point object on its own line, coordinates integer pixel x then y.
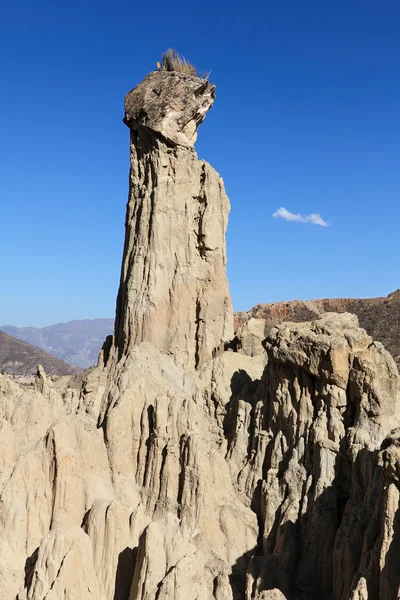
{"type": "Point", "coordinates": [306, 119]}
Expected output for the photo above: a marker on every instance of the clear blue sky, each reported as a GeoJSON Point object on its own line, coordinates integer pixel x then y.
{"type": "Point", "coordinates": [306, 119]}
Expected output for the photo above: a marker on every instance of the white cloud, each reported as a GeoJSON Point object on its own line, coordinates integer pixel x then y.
{"type": "Point", "coordinates": [315, 219]}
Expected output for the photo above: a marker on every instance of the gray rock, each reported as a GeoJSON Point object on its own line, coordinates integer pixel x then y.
{"type": "Point", "coordinates": [170, 104]}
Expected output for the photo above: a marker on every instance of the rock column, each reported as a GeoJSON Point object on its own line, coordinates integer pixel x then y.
{"type": "Point", "coordinates": [173, 290]}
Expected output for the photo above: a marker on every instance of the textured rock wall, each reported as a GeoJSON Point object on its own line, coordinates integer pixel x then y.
{"type": "Point", "coordinates": [154, 482]}
{"type": "Point", "coordinates": [142, 506]}
{"type": "Point", "coordinates": [319, 470]}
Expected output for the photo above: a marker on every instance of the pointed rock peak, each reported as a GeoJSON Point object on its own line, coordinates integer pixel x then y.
{"type": "Point", "coordinates": [171, 104]}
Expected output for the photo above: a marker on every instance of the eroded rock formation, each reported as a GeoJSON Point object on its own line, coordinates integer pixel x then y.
{"type": "Point", "coordinates": [326, 402]}
{"type": "Point", "coordinates": [177, 470]}
{"type": "Point", "coordinates": [174, 291]}
{"type": "Point", "coordinates": [380, 317]}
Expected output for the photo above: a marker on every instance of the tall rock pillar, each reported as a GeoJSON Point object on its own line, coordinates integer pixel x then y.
{"type": "Point", "coordinates": [173, 290]}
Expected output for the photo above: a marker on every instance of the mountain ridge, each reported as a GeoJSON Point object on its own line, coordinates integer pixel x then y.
{"type": "Point", "coordinates": [76, 342]}
{"type": "Point", "coordinates": [20, 358]}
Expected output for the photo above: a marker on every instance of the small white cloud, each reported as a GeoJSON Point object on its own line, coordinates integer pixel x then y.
{"type": "Point", "coordinates": [315, 219]}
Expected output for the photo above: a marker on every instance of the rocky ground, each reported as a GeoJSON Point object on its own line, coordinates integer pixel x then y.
{"type": "Point", "coordinates": [189, 464]}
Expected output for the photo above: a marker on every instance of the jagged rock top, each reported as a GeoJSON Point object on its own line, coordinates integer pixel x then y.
{"type": "Point", "coordinates": [171, 104]}
{"type": "Point", "coordinates": [323, 348]}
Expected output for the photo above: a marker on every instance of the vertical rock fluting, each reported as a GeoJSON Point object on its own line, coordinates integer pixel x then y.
{"type": "Point", "coordinates": [319, 467]}
{"type": "Point", "coordinates": [173, 290]}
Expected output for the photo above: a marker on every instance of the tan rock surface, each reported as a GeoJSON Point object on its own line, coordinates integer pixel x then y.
{"type": "Point", "coordinates": [380, 317]}
{"type": "Point", "coordinates": [151, 496]}
{"type": "Point", "coordinates": [155, 456]}
{"type": "Point", "coordinates": [170, 104]}
{"type": "Point", "coordinates": [173, 290]}
{"type": "Point", "coordinates": [327, 400]}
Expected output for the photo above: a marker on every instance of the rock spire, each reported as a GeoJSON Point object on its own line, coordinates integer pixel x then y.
{"type": "Point", "coordinates": [173, 290]}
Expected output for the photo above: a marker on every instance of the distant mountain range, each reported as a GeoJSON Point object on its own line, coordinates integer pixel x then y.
{"type": "Point", "coordinates": [20, 358]}
{"type": "Point", "coordinates": [76, 342]}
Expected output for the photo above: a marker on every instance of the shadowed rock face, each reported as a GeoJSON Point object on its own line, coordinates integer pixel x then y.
{"type": "Point", "coordinates": [264, 477]}
{"type": "Point", "coordinates": [327, 399]}
{"type": "Point", "coordinates": [174, 291]}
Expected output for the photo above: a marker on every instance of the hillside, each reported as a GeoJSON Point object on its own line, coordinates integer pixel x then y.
{"type": "Point", "coordinates": [76, 342]}
{"type": "Point", "coordinates": [380, 317]}
{"type": "Point", "coordinates": [19, 358]}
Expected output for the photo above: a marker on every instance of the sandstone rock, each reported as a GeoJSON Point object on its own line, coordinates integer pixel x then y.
{"type": "Point", "coordinates": [149, 494]}
{"type": "Point", "coordinates": [173, 291]}
{"type": "Point", "coordinates": [171, 454]}
{"type": "Point", "coordinates": [170, 104]}
{"type": "Point", "coordinates": [159, 459]}
{"type": "Point", "coordinates": [224, 378]}
{"type": "Point", "coordinates": [250, 335]}
{"type": "Point", "coordinates": [64, 568]}
{"type": "Point", "coordinates": [172, 565]}
{"type": "Point", "coordinates": [266, 579]}
{"type": "Point", "coordinates": [327, 399]}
